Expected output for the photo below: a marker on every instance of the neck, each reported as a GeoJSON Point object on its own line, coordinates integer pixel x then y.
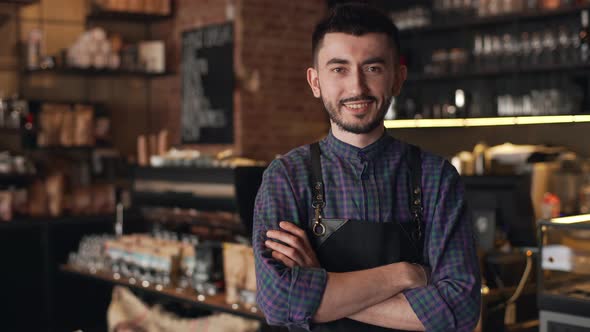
{"type": "Point", "coordinates": [358, 140]}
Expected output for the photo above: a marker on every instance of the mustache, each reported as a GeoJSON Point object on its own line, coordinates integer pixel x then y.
{"type": "Point", "coordinates": [358, 98]}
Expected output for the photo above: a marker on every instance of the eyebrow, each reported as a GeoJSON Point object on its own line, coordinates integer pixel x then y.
{"type": "Point", "coordinates": [337, 61]}
{"type": "Point", "coordinates": [372, 60]}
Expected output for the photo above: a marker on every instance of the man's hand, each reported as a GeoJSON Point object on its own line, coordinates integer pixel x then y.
{"type": "Point", "coordinates": [341, 299]}
{"type": "Point", "coordinates": [295, 249]}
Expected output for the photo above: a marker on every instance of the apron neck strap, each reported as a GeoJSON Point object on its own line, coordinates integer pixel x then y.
{"type": "Point", "coordinates": [415, 170]}
{"type": "Point", "coordinates": [416, 207]}
{"type": "Point", "coordinates": [317, 183]}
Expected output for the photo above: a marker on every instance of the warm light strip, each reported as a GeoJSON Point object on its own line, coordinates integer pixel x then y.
{"type": "Point", "coordinates": [424, 123]}
{"type": "Point", "coordinates": [401, 123]}
{"type": "Point", "coordinates": [480, 122]}
{"type": "Point", "coordinates": [431, 123]}
{"type": "Point", "coordinates": [545, 119]}
{"type": "Point", "coordinates": [572, 219]}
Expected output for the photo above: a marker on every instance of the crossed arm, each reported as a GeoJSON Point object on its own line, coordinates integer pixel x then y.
{"type": "Point", "coordinates": [370, 296]}
{"type": "Point", "coordinates": [294, 292]}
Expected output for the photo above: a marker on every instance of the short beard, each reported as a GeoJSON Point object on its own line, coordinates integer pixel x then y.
{"type": "Point", "coordinates": [335, 116]}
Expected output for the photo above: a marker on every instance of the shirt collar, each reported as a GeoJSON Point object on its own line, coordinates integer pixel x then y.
{"type": "Point", "coordinates": [346, 150]}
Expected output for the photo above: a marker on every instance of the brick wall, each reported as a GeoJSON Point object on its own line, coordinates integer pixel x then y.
{"type": "Point", "coordinates": [279, 112]}
{"type": "Point", "coordinates": [274, 110]}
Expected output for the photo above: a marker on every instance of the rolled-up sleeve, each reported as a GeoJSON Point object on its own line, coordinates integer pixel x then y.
{"type": "Point", "coordinates": [287, 297]}
{"type": "Point", "coordinates": [451, 302]}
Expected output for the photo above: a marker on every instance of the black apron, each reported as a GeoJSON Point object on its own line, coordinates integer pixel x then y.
{"type": "Point", "coordinates": [350, 245]}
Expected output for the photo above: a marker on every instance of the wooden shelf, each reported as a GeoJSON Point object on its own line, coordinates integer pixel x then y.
{"type": "Point", "coordinates": [81, 150]}
{"type": "Point", "coordinates": [10, 131]}
{"type": "Point", "coordinates": [19, 2]}
{"type": "Point", "coordinates": [15, 179]}
{"type": "Point", "coordinates": [61, 148]}
{"type": "Point", "coordinates": [126, 16]}
{"type": "Point", "coordinates": [454, 23]}
{"type": "Point", "coordinates": [26, 222]}
{"type": "Point", "coordinates": [189, 296]}
{"type": "Point", "coordinates": [562, 68]}
{"type": "Point", "coordinates": [94, 72]}
{"type": "Point", "coordinates": [487, 122]}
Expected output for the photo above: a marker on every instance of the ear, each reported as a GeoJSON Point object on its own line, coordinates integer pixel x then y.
{"type": "Point", "coordinates": [400, 77]}
{"type": "Point", "coordinates": [314, 81]}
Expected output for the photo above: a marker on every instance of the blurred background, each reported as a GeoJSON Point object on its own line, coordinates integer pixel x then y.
{"type": "Point", "coordinates": [134, 134]}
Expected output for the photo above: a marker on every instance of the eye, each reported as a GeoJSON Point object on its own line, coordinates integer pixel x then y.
{"type": "Point", "coordinates": [374, 69]}
{"type": "Point", "coordinates": [338, 70]}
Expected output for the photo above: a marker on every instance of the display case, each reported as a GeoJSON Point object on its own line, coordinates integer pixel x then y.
{"type": "Point", "coordinates": [198, 211]}
{"type": "Point", "coordinates": [218, 197]}
{"type": "Point", "coordinates": [564, 274]}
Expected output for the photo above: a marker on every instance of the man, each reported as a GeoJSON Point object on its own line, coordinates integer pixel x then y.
{"type": "Point", "coordinates": [340, 226]}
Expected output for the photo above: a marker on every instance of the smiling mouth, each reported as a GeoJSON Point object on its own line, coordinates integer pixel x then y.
{"type": "Point", "coordinates": [358, 106]}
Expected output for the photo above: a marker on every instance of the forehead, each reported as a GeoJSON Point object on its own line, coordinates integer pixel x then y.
{"type": "Point", "coordinates": [354, 48]}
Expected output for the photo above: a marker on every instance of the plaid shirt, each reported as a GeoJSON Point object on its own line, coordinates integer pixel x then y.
{"type": "Point", "coordinates": [369, 184]}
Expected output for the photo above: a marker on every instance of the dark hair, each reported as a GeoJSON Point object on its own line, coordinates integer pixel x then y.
{"type": "Point", "coordinates": [356, 19]}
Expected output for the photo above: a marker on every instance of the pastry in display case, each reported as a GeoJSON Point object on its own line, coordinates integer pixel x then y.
{"type": "Point", "coordinates": [564, 274]}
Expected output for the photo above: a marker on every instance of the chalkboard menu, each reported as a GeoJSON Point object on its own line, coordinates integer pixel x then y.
{"type": "Point", "coordinates": [207, 84]}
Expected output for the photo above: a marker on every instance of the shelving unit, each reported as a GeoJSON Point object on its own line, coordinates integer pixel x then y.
{"type": "Point", "coordinates": [19, 2]}
{"type": "Point", "coordinates": [574, 69]}
{"type": "Point", "coordinates": [10, 131]}
{"type": "Point", "coordinates": [27, 222]}
{"type": "Point", "coordinates": [95, 72]}
{"type": "Point", "coordinates": [201, 188]}
{"type": "Point", "coordinates": [486, 122]}
{"type": "Point", "coordinates": [15, 179]}
{"type": "Point", "coordinates": [478, 22]}
{"type": "Point", "coordinates": [485, 78]}
{"type": "Point", "coordinates": [187, 296]}
{"type": "Point", "coordinates": [126, 16]}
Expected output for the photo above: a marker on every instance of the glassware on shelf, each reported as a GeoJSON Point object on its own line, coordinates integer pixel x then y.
{"type": "Point", "coordinates": [478, 53]}
{"type": "Point", "coordinates": [509, 50]}
{"type": "Point", "coordinates": [584, 38]}
{"type": "Point", "coordinates": [548, 47]}
{"type": "Point", "coordinates": [536, 48]}
{"type": "Point", "coordinates": [414, 17]}
{"type": "Point", "coordinates": [537, 102]}
{"type": "Point", "coordinates": [496, 53]}
{"type": "Point", "coordinates": [565, 46]}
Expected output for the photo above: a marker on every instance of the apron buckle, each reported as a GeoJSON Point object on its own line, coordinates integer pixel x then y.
{"type": "Point", "coordinates": [318, 228]}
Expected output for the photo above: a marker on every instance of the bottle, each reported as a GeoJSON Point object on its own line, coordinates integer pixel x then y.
{"type": "Point", "coordinates": [584, 38]}
{"type": "Point", "coordinates": [34, 49]}
{"type": "Point", "coordinates": [2, 111]}
{"type": "Point", "coordinates": [478, 53]}
{"type": "Point", "coordinates": [565, 45]}
{"type": "Point", "coordinates": [585, 194]}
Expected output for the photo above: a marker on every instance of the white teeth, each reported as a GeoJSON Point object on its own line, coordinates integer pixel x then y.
{"type": "Point", "coordinates": [357, 106]}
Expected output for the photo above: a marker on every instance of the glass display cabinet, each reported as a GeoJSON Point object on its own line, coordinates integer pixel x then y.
{"type": "Point", "coordinates": [564, 274]}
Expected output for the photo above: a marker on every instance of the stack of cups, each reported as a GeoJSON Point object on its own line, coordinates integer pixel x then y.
{"type": "Point", "coordinates": [94, 50]}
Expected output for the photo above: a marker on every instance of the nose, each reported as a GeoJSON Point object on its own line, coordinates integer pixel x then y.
{"type": "Point", "coordinates": [358, 83]}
